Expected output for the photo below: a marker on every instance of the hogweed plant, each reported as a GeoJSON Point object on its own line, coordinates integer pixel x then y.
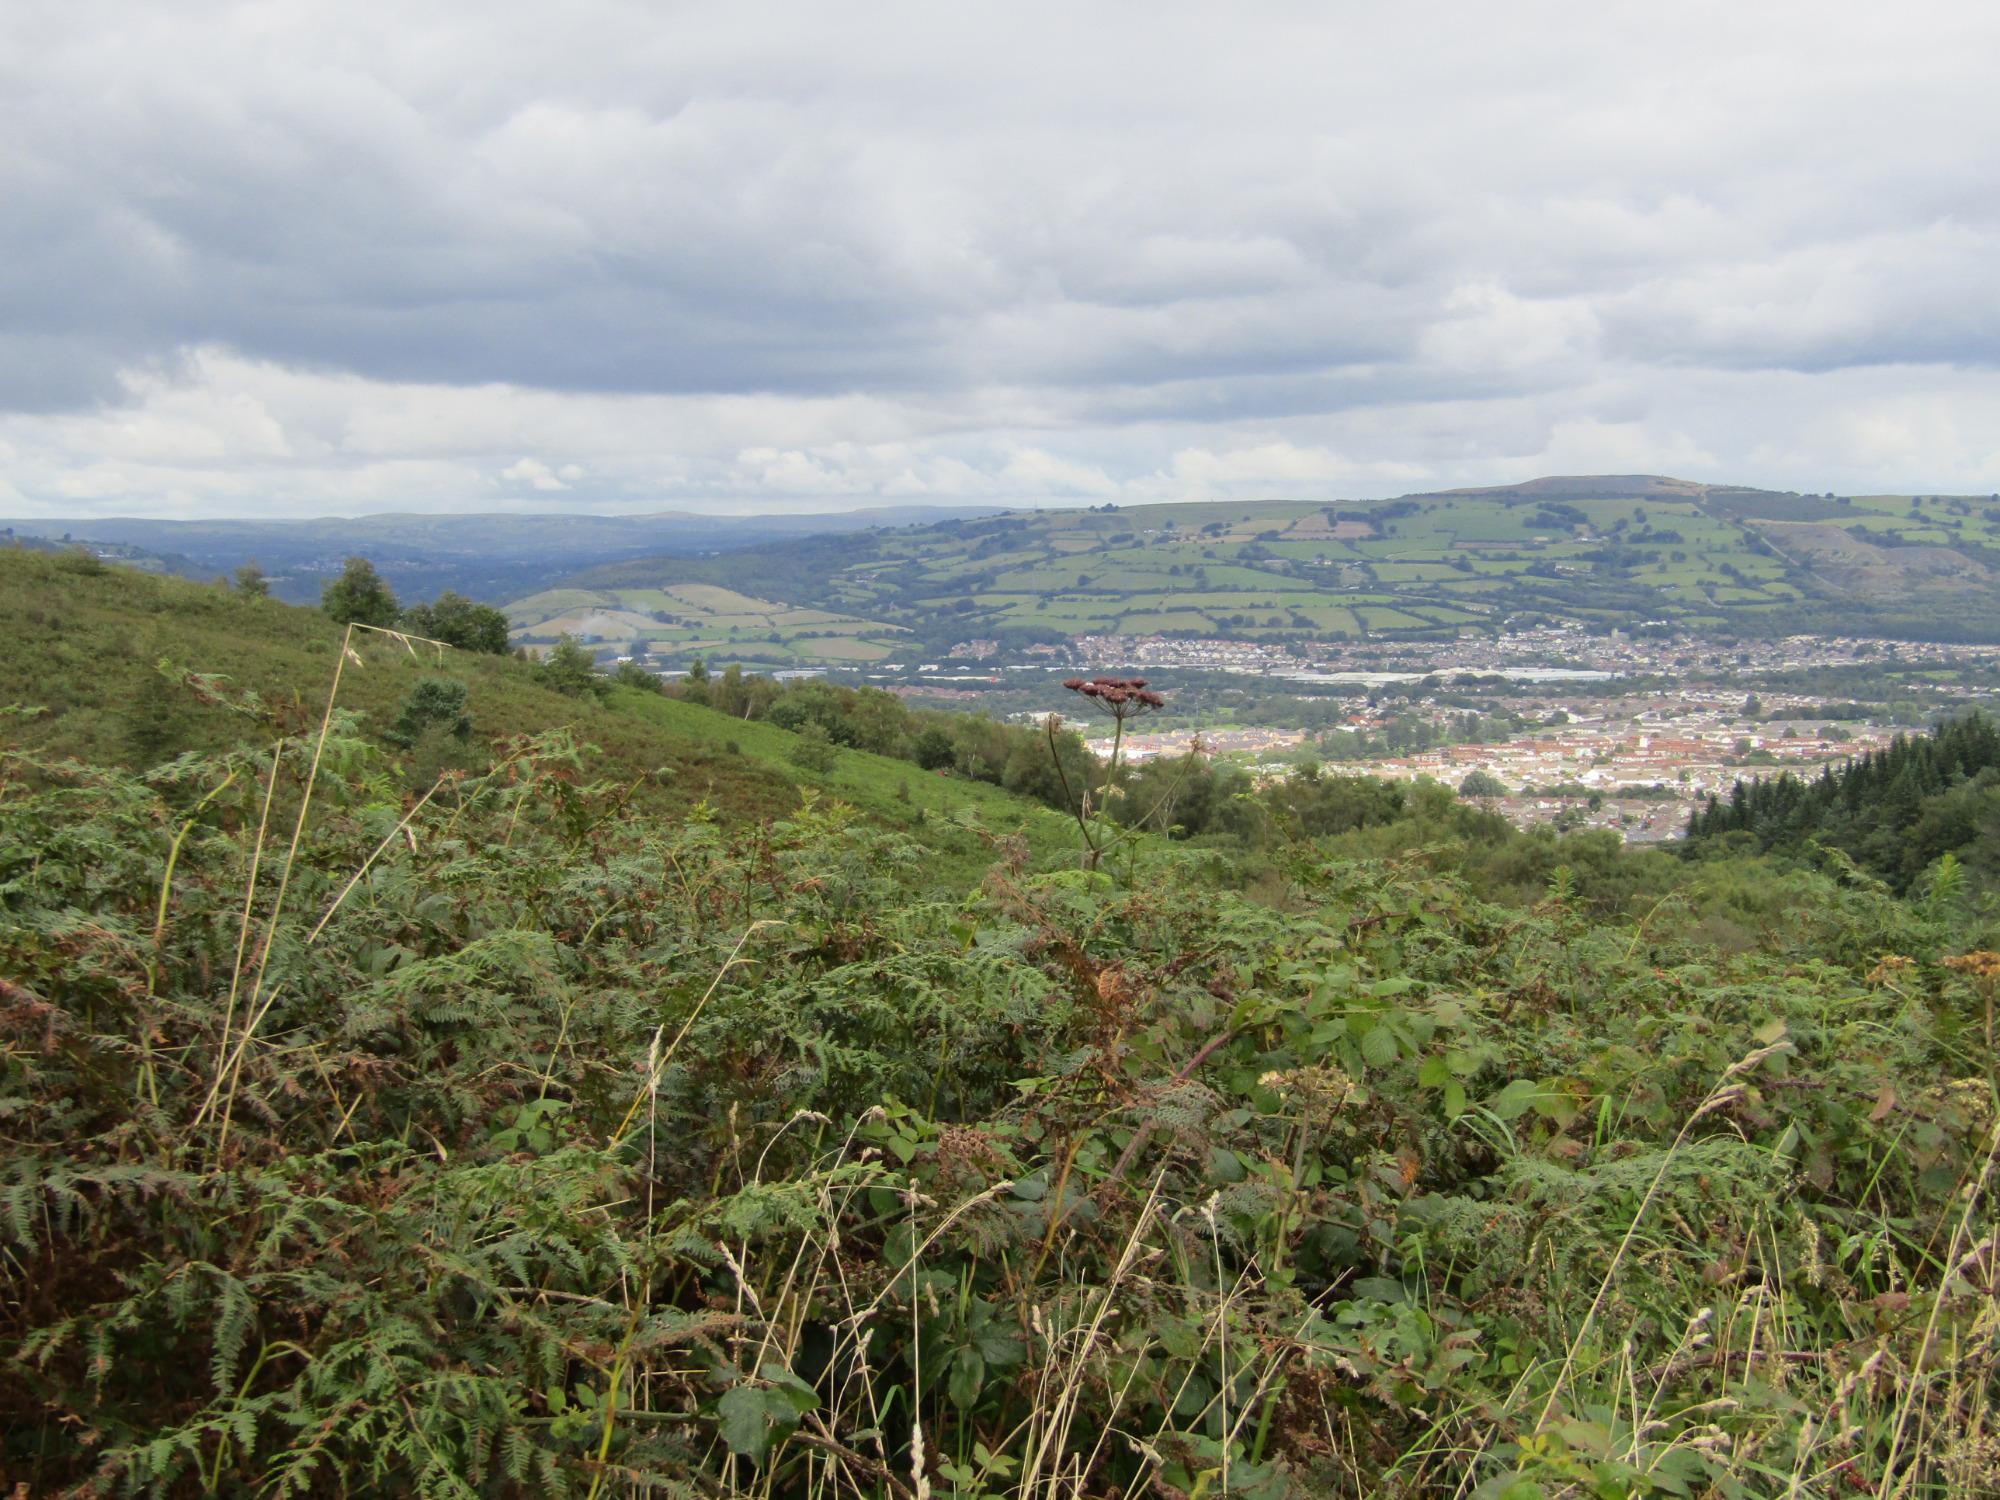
{"type": "Point", "coordinates": [1122, 699]}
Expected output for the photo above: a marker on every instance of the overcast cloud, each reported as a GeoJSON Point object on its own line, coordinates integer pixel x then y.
{"type": "Point", "coordinates": [309, 258]}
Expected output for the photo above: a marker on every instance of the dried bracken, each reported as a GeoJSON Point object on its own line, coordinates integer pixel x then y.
{"type": "Point", "coordinates": [1121, 697]}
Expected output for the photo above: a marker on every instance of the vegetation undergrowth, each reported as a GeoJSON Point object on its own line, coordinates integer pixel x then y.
{"type": "Point", "coordinates": [493, 1138]}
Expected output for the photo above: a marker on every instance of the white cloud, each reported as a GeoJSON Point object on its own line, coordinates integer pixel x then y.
{"type": "Point", "coordinates": [1276, 463]}
{"type": "Point", "coordinates": [1038, 472]}
{"type": "Point", "coordinates": [535, 474]}
{"type": "Point", "coordinates": [1484, 331]}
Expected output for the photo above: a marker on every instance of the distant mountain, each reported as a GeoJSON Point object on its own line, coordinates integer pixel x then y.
{"type": "Point", "coordinates": [486, 556]}
{"type": "Point", "coordinates": [1586, 486]}
{"type": "Point", "coordinates": [1631, 551]}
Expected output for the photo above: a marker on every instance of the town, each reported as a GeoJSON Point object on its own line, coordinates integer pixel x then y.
{"type": "Point", "coordinates": [1626, 730]}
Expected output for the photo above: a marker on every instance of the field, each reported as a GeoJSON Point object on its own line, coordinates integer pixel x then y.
{"type": "Point", "coordinates": [683, 620]}
{"type": "Point", "coordinates": [1663, 551]}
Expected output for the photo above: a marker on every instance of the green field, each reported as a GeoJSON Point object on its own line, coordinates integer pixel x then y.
{"type": "Point", "coordinates": [678, 621]}
{"type": "Point", "coordinates": [1642, 551]}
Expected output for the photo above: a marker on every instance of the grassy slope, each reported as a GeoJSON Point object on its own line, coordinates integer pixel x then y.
{"type": "Point", "coordinates": [891, 791]}
{"type": "Point", "coordinates": [82, 644]}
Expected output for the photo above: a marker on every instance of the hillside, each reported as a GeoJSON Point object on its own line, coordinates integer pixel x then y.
{"type": "Point", "coordinates": [585, 1130]}
{"type": "Point", "coordinates": [81, 642]}
{"type": "Point", "coordinates": [491, 556]}
{"type": "Point", "coordinates": [124, 554]}
{"type": "Point", "coordinates": [1619, 550]}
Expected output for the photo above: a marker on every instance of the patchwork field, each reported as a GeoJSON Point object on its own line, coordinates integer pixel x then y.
{"type": "Point", "coordinates": [1620, 551]}
{"type": "Point", "coordinates": [681, 620]}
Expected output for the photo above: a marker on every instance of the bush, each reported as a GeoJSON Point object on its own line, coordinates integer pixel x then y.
{"type": "Point", "coordinates": [631, 674]}
{"type": "Point", "coordinates": [932, 749]}
{"type": "Point", "coordinates": [561, 1138]}
{"type": "Point", "coordinates": [570, 668]}
{"type": "Point", "coordinates": [813, 750]}
{"type": "Point", "coordinates": [434, 703]}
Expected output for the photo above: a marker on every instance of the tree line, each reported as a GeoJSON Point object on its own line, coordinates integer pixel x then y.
{"type": "Point", "coordinates": [360, 596]}
{"type": "Point", "coordinates": [1893, 811]}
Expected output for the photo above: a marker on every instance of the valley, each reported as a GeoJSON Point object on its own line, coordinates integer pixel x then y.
{"type": "Point", "coordinates": [1433, 635]}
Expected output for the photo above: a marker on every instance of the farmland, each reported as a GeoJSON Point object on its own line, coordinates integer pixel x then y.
{"type": "Point", "coordinates": [1610, 552]}
{"type": "Point", "coordinates": [693, 619]}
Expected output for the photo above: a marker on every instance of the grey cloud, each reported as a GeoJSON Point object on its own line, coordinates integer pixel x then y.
{"type": "Point", "coordinates": [1030, 226]}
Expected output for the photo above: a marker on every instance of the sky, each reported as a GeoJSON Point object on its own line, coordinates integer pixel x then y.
{"type": "Point", "coordinates": [300, 258]}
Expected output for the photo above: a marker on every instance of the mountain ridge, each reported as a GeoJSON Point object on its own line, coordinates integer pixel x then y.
{"type": "Point", "coordinates": [1598, 486]}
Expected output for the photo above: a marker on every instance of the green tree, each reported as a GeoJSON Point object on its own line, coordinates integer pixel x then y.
{"type": "Point", "coordinates": [435, 702]}
{"type": "Point", "coordinates": [727, 693]}
{"type": "Point", "coordinates": [570, 668]}
{"type": "Point", "coordinates": [360, 597]}
{"type": "Point", "coordinates": [251, 582]}
{"type": "Point", "coordinates": [933, 749]}
{"type": "Point", "coordinates": [459, 621]}
{"type": "Point", "coordinates": [694, 686]}
{"type": "Point", "coordinates": [1482, 786]}
{"type": "Point", "coordinates": [631, 674]}
{"type": "Point", "coordinates": [878, 721]}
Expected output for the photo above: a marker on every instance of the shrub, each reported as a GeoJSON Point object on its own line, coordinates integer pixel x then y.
{"type": "Point", "coordinates": [813, 750]}
{"type": "Point", "coordinates": [570, 668]}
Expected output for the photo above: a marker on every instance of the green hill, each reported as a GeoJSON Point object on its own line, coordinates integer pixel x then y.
{"type": "Point", "coordinates": [1618, 550]}
{"type": "Point", "coordinates": [83, 642]}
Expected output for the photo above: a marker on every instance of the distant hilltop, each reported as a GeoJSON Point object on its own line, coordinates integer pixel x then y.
{"type": "Point", "coordinates": [1589, 486]}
